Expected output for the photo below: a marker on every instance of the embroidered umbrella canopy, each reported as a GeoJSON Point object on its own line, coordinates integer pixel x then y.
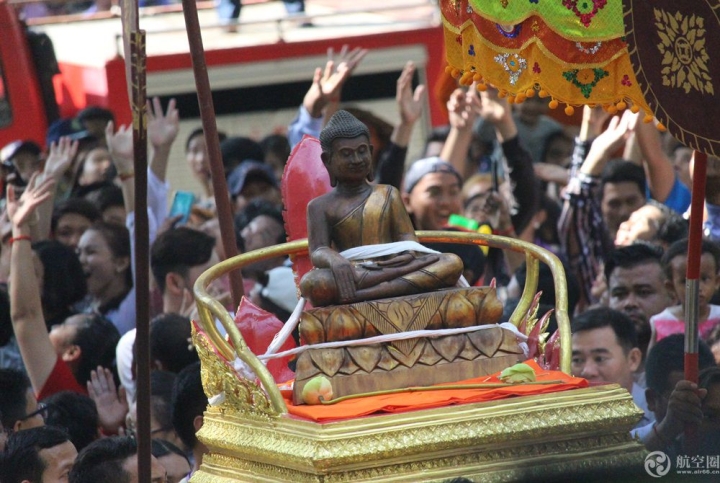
{"type": "Point", "coordinates": [573, 51]}
{"type": "Point", "coordinates": [673, 48]}
{"type": "Point", "coordinates": [649, 55]}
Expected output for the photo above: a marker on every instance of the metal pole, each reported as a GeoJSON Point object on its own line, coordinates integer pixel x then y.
{"type": "Point", "coordinates": [207, 113]}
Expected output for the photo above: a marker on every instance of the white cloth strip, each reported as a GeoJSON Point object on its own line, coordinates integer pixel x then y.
{"type": "Point", "coordinates": [383, 249]}
{"type": "Point", "coordinates": [400, 336]}
{"type": "Point", "coordinates": [287, 329]}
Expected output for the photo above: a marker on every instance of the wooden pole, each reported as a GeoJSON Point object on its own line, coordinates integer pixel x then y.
{"type": "Point", "coordinates": [207, 113]}
{"type": "Point", "coordinates": [135, 65]}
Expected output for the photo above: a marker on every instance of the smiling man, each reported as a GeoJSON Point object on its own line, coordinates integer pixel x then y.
{"type": "Point", "coordinates": [605, 351]}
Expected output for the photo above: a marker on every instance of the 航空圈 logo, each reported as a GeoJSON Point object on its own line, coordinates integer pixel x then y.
{"type": "Point", "coordinates": [657, 464]}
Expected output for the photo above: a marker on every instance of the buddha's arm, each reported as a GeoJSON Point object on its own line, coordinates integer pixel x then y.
{"type": "Point", "coordinates": [321, 253]}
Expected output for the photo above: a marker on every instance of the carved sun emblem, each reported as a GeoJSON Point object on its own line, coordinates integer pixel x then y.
{"type": "Point", "coordinates": [682, 45]}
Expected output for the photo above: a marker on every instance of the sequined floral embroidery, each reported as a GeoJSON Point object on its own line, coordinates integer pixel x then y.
{"type": "Point", "coordinates": [513, 64]}
{"type": "Point", "coordinates": [626, 81]}
{"type": "Point", "coordinates": [584, 9]}
{"type": "Point", "coordinates": [585, 79]}
{"type": "Point", "coordinates": [588, 50]}
{"type": "Point", "coordinates": [509, 31]}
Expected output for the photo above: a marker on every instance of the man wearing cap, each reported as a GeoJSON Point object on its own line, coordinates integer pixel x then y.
{"type": "Point", "coordinates": [365, 223]}
{"type": "Point", "coordinates": [253, 180]}
{"type": "Point", "coordinates": [20, 160]}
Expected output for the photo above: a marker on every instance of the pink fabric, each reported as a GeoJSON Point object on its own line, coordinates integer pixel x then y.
{"type": "Point", "coordinates": [665, 323]}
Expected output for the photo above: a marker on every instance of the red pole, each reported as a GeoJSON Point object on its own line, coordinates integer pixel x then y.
{"type": "Point", "coordinates": [697, 208]}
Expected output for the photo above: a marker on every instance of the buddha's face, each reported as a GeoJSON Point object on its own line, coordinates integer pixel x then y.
{"type": "Point", "coordinates": [350, 159]}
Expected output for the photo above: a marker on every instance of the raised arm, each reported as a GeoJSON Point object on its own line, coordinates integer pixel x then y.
{"type": "Point", "coordinates": [162, 130]}
{"type": "Point", "coordinates": [56, 165]}
{"type": "Point", "coordinates": [391, 163]}
{"type": "Point", "coordinates": [28, 321]}
{"type": "Point", "coordinates": [326, 87]}
{"type": "Point", "coordinates": [659, 170]}
{"type": "Point", "coordinates": [463, 109]}
{"type": "Point", "coordinates": [120, 145]}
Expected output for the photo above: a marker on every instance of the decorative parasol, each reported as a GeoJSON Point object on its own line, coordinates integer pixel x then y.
{"type": "Point", "coordinates": [675, 66]}
{"type": "Point", "coordinates": [572, 51]}
{"type": "Point", "coordinates": [649, 55]}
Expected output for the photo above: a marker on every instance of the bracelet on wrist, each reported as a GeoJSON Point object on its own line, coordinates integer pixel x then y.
{"type": "Point", "coordinates": [126, 176]}
{"type": "Point", "coordinates": [20, 238]}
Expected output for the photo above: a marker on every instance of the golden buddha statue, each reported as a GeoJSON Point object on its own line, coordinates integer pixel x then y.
{"type": "Point", "coordinates": [361, 239]}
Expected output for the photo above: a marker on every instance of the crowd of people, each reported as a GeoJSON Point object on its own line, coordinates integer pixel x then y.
{"type": "Point", "coordinates": [608, 197]}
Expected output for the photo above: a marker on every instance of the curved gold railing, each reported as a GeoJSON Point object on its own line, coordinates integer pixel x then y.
{"type": "Point", "coordinates": [210, 309]}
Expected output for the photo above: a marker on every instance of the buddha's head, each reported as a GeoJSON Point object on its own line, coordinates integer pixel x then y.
{"type": "Point", "coordinates": [346, 149]}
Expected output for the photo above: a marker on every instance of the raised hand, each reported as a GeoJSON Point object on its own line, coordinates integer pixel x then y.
{"type": "Point", "coordinates": [328, 83]}
{"type": "Point", "coordinates": [111, 404]}
{"type": "Point", "coordinates": [494, 109]}
{"type": "Point", "coordinates": [22, 210]}
{"type": "Point", "coordinates": [60, 157]}
{"type": "Point", "coordinates": [162, 129]}
{"type": "Point", "coordinates": [120, 145]}
{"type": "Point", "coordinates": [608, 142]}
{"type": "Point", "coordinates": [410, 104]}
{"type": "Point", "coordinates": [463, 108]}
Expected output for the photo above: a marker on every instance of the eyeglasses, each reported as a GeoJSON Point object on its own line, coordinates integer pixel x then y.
{"type": "Point", "coordinates": [42, 411]}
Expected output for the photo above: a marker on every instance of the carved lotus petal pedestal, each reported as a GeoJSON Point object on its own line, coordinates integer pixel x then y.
{"type": "Point", "coordinates": [410, 362]}
{"type": "Point", "coordinates": [567, 435]}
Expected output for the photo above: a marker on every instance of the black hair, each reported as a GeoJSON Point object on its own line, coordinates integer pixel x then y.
{"type": "Point", "coordinates": [620, 171]}
{"type": "Point", "coordinates": [438, 134]}
{"type": "Point", "coordinates": [92, 113]}
{"type": "Point", "coordinates": [188, 402]}
{"type": "Point", "coordinates": [709, 375]}
{"type": "Point", "coordinates": [252, 210]}
{"type": "Point", "coordinates": [64, 282]}
{"type": "Point", "coordinates": [169, 335]}
{"type": "Point", "coordinates": [680, 248]}
{"type": "Point", "coordinates": [667, 356]}
{"type": "Point", "coordinates": [602, 317]}
{"type": "Point", "coordinates": [79, 164]}
{"type": "Point", "coordinates": [21, 460]}
{"type": "Point", "coordinates": [277, 144]}
{"type": "Point", "coordinates": [546, 284]}
{"type": "Point", "coordinates": [103, 194]}
{"type": "Point", "coordinates": [177, 250]}
{"type": "Point", "coordinates": [97, 338]}
{"type": "Point", "coordinates": [103, 460]}
{"type": "Point", "coordinates": [160, 448]}
{"type": "Point", "coordinates": [161, 389]}
{"type": "Point", "coordinates": [200, 132]}
{"type": "Point", "coordinates": [631, 256]}
{"type": "Point", "coordinates": [237, 149]}
{"type": "Point", "coordinates": [14, 385]}
{"type": "Point", "coordinates": [673, 228]}
{"type": "Point", "coordinates": [76, 414]}
{"type": "Point", "coordinates": [117, 238]}
{"type": "Point", "coordinates": [78, 206]}
{"type": "Point", "coordinates": [550, 139]}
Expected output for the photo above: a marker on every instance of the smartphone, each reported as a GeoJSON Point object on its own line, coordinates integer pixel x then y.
{"type": "Point", "coordinates": [182, 204]}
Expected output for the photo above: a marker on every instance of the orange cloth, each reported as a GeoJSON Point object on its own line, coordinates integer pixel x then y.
{"type": "Point", "coordinates": [409, 401]}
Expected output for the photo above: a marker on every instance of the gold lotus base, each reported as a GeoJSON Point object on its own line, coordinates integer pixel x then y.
{"type": "Point", "coordinates": [547, 437]}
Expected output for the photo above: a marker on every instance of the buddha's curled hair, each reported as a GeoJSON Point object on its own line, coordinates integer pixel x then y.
{"type": "Point", "coordinates": [342, 125]}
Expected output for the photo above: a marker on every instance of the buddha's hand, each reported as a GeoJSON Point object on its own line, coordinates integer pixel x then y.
{"type": "Point", "coordinates": [344, 275]}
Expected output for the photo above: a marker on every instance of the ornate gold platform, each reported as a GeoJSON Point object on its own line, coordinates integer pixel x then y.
{"type": "Point", "coordinates": [560, 435]}
{"type": "Point", "coordinates": [520, 439]}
